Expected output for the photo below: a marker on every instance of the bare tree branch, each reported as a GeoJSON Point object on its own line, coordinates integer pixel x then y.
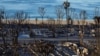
{"type": "Point", "coordinates": [59, 13]}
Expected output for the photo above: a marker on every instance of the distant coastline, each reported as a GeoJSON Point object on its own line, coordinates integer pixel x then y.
{"type": "Point", "coordinates": [46, 21]}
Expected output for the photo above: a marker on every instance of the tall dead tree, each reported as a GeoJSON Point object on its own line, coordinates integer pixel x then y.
{"type": "Point", "coordinates": [82, 21]}
{"type": "Point", "coordinates": [2, 16]}
{"type": "Point", "coordinates": [60, 14]}
{"type": "Point", "coordinates": [97, 11]}
{"type": "Point", "coordinates": [42, 11]}
{"type": "Point", "coordinates": [70, 18]}
{"type": "Point", "coordinates": [71, 15]}
{"type": "Point", "coordinates": [21, 16]}
{"type": "Point", "coordinates": [2, 33]}
{"type": "Point", "coordinates": [36, 20]}
{"type": "Point", "coordinates": [19, 19]}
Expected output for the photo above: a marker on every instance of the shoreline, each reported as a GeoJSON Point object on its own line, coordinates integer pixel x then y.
{"type": "Point", "coordinates": [33, 21]}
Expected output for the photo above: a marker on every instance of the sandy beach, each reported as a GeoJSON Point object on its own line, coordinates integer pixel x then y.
{"type": "Point", "coordinates": [32, 21]}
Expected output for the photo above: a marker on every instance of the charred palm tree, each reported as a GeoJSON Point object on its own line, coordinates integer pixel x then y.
{"type": "Point", "coordinates": [60, 14]}
{"type": "Point", "coordinates": [66, 5]}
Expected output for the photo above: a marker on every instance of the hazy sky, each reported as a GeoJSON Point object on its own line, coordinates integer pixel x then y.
{"type": "Point", "coordinates": [31, 6]}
